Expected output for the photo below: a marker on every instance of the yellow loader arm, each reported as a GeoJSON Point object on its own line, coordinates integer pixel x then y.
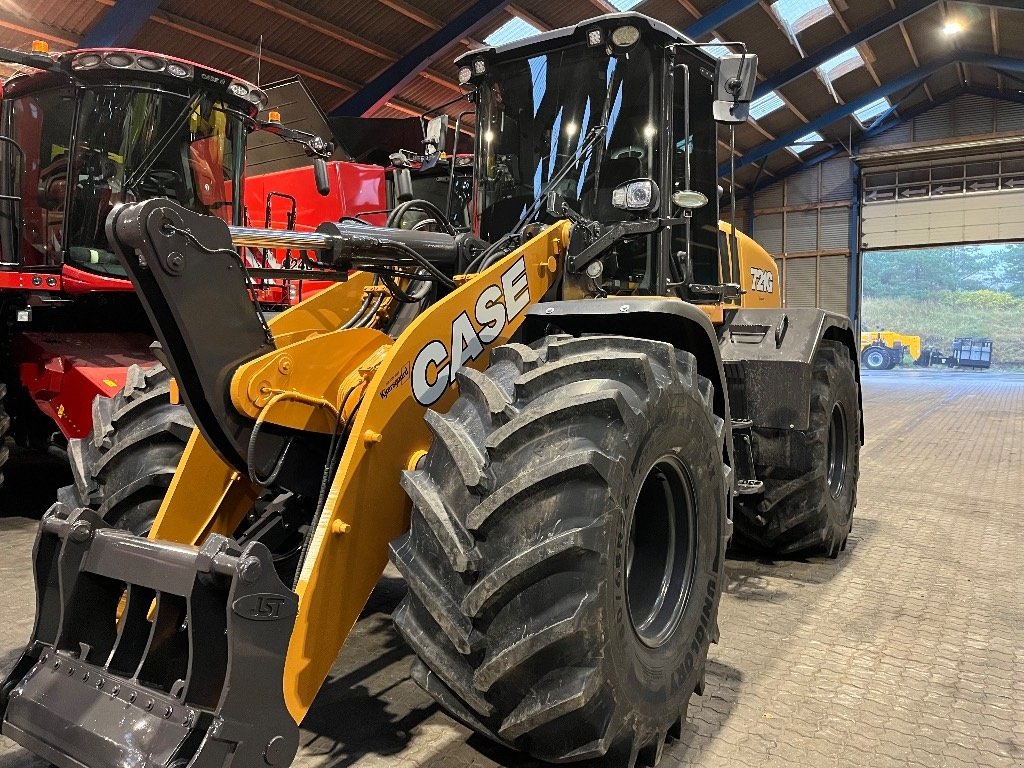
{"type": "Point", "coordinates": [393, 381]}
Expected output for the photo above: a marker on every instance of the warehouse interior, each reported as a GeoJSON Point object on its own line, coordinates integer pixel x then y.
{"type": "Point", "coordinates": [880, 167]}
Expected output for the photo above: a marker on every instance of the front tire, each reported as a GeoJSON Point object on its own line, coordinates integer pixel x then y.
{"type": "Point", "coordinates": [122, 469]}
{"type": "Point", "coordinates": [807, 505]}
{"type": "Point", "coordinates": [566, 549]}
{"type": "Point", "coordinates": [877, 358]}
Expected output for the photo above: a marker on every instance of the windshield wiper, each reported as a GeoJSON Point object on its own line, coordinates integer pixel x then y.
{"type": "Point", "coordinates": [586, 147]}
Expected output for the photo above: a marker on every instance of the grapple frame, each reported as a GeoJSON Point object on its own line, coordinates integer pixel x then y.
{"type": "Point", "coordinates": [148, 653]}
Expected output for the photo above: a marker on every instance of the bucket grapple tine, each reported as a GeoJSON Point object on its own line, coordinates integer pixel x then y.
{"type": "Point", "coordinates": [151, 654]}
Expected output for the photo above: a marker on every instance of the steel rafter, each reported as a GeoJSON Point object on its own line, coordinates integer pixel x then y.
{"type": "Point", "coordinates": [908, 80]}
{"type": "Point", "coordinates": [119, 26]}
{"type": "Point", "coordinates": [720, 15]}
{"type": "Point", "coordinates": [382, 88]}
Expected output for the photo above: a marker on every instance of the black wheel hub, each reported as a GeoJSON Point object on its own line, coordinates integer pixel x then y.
{"type": "Point", "coordinates": [661, 551]}
{"type": "Point", "coordinates": [835, 470]}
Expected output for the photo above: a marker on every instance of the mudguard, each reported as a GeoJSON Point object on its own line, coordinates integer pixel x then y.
{"type": "Point", "coordinates": [767, 355]}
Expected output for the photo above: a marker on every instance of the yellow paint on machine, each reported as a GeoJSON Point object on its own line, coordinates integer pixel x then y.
{"type": "Point", "coordinates": [366, 507]}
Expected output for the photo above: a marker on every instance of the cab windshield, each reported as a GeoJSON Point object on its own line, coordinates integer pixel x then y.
{"type": "Point", "coordinates": [88, 149]}
{"type": "Point", "coordinates": [575, 110]}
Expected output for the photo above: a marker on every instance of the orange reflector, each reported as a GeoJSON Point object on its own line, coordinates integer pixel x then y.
{"type": "Point", "coordinates": [274, 116]}
{"type": "Point", "coordinates": [40, 46]}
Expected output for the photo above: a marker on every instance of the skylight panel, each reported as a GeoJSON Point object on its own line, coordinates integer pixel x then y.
{"type": "Point", "coordinates": [512, 30]}
{"type": "Point", "coordinates": [715, 48]}
{"type": "Point", "coordinates": [806, 142]}
{"type": "Point", "coordinates": [765, 105]}
{"type": "Point", "coordinates": [798, 15]}
{"type": "Point", "coordinates": [625, 5]}
{"type": "Point", "coordinates": [872, 110]}
{"type": "Point", "coordinates": [840, 65]}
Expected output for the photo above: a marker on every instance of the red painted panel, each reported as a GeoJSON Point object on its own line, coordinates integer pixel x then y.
{"type": "Point", "coordinates": [64, 372]}
{"type": "Point", "coordinates": [77, 281]}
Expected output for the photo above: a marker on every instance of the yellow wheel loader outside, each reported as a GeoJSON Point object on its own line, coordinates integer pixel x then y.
{"type": "Point", "coordinates": [550, 424]}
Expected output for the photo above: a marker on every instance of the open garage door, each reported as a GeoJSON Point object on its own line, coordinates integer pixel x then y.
{"type": "Point", "coordinates": [945, 204]}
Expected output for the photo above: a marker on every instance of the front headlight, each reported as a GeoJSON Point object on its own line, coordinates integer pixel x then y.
{"type": "Point", "coordinates": [636, 195]}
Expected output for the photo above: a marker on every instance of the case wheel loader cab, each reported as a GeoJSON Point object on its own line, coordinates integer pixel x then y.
{"type": "Point", "coordinates": [546, 423]}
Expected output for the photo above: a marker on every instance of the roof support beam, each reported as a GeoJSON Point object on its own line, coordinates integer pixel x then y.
{"type": "Point", "coordinates": [906, 9]}
{"type": "Point", "coordinates": [119, 26]}
{"type": "Point", "coordinates": [717, 17]}
{"type": "Point", "coordinates": [382, 88]}
{"type": "Point", "coordinates": [881, 127]}
{"type": "Point", "coordinates": [908, 80]}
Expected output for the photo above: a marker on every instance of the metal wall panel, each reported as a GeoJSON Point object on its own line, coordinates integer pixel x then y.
{"type": "Point", "coordinates": [801, 282]}
{"type": "Point", "coordinates": [836, 180]}
{"type": "Point", "coordinates": [972, 116]}
{"type": "Point", "coordinates": [934, 124]}
{"type": "Point", "coordinates": [833, 279]}
{"type": "Point", "coordinates": [1009, 117]}
{"type": "Point", "coordinates": [801, 232]}
{"type": "Point", "coordinates": [835, 229]}
{"type": "Point", "coordinates": [771, 197]}
{"type": "Point", "coordinates": [768, 231]}
{"type": "Point", "coordinates": [898, 134]}
{"type": "Point", "coordinates": [803, 188]}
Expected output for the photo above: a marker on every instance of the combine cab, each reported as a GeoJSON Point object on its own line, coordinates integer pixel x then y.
{"type": "Point", "coordinates": [81, 132]}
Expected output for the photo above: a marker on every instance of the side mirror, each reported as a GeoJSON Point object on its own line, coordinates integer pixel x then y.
{"type": "Point", "coordinates": [434, 140]}
{"type": "Point", "coordinates": [437, 132]}
{"type": "Point", "coordinates": [323, 183]}
{"type": "Point", "coordinates": [735, 78]}
{"type": "Point", "coordinates": [403, 185]}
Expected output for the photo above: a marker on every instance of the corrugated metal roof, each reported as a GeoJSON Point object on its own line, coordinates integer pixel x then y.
{"type": "Point", "coordinates": [339, 47]}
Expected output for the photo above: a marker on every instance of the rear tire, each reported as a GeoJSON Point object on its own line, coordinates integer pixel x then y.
{"type": "Point", "coordinates": [122, 469]}
{"type": "Point", "coordinates": [807, 505]}
{"type": "Point", "coordinates": [877, 358]}
{"type": "Point", "coordinates": [566, 486]}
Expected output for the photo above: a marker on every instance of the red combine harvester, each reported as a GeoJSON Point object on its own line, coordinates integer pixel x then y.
{"type": "Point", "coordinates": [80, 132]}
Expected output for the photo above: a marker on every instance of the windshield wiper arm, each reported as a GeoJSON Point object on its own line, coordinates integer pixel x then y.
{"type": "Point", "coordinates": [583, 152]}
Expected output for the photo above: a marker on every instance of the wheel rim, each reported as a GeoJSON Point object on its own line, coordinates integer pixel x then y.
{"type": "Point", "coordinates": [837, 449]}
{"type": "Point", "coordinates": [875, 359]}
{"type": "Point", "coordinates": [661, 551]}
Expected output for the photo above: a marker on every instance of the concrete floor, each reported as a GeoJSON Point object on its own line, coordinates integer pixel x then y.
{"type": "Point", "coordinates": [906, 651]}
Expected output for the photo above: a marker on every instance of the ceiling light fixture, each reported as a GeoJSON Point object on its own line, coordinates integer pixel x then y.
{"type": "Point", "coordinates": [952, 27]}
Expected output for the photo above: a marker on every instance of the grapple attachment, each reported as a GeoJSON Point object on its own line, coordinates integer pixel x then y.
{"type": "Point", "coordinates": [149, 654]}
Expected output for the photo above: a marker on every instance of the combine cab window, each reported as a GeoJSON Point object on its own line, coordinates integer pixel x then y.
{"type": "Point", "coordinates": [41, 125]}
{"type": "Point", "coordinates": [135, 144]}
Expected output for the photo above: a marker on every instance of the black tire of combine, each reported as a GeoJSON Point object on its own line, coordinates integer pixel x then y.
{"type": "Point", "coordinates": [5, 428]}
{"type": "Point", "coordinates": [522, 609]}
{"type": "Point", "coordinates": [122, 469]}
{"type": "Point", "coordinates": [877, 357]}
{"type": "Point", "coordinates": [807, 507]}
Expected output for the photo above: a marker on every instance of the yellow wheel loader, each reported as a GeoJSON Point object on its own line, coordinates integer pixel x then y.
{"type": "Point", "coordinates": [549, 423]}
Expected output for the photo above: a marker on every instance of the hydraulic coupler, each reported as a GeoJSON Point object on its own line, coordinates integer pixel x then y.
{"type": "Point", "coordinates": [148, 654]}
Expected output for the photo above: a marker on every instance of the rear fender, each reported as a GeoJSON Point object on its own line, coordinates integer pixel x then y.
{"type": "Point", "coordinates": [768, 355]}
